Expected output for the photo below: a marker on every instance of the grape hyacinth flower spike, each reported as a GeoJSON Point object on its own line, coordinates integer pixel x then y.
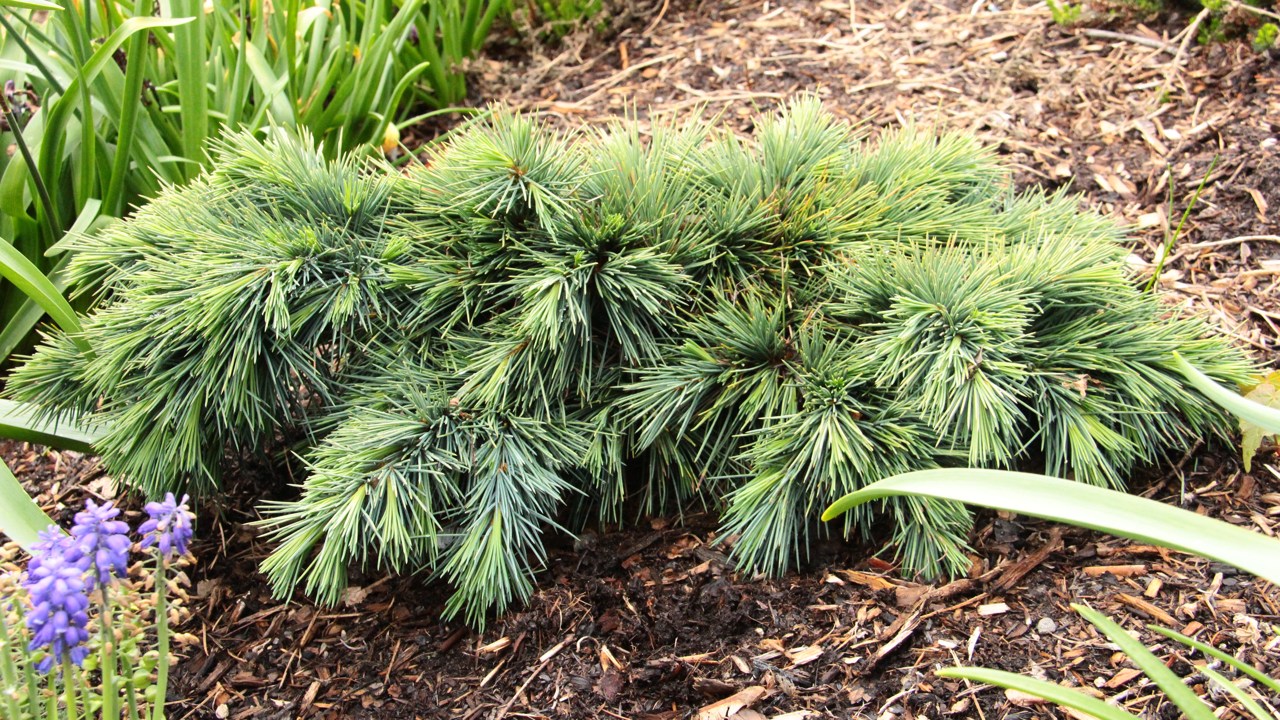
{"type": "Point", "coordinates": [168, 526]}
{"type": "Point", "coordinates": [54, 543]}
{"type": "Point", "coordinates": [104, 540]}
{"type": "Point", "coordinates": [60, 601]}
{"type": "Point", "coordinates": [168, 529]}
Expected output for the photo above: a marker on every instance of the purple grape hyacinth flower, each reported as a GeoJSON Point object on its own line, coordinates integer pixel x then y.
{"type": "Point", "coordinates": [168, 526]}
{"type": "Point", "coordinates": [104, 540]}
{"type": "Point", "coordinates": [55, 584]}
{"type": "Point", "coordinates": [55, 543]}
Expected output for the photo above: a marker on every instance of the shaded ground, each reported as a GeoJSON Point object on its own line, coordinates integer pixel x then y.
{"type": "Point", "coordinates": [651, 622]}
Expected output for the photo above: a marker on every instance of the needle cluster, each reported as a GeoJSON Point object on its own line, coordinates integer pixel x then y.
{"type": "Point", "coordinates": [537, 328]}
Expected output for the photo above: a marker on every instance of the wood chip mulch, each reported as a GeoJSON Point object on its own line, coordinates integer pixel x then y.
{"type": "Point", "coordinates": [653, 623]}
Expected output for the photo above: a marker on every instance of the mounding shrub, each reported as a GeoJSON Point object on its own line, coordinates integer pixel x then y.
{"type": "Point", "coordinates": [538, 328]}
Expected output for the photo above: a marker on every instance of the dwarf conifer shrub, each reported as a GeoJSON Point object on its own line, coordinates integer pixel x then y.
{"type": "Point", "coordinates": [535, 329]}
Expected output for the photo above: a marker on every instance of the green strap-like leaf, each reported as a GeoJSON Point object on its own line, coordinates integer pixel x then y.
{"type": "Point", "coordinates": [21, 323]}
{"type": "Point", "coordinates": [29, 5]}
{"type": "Point", "coordinates": [19, 421]}
{"type": "Point", "coordinates": [1256, 413]}
{"type": "Point", "coordinates": [1066, 697]}
{"type": "Point", "coordinates": [20, 271]}
{"type": "Point", "coordinates": [1087, 506]}
{"type": "Point", "coordinates": [1239, 694]}
{"type": "Point", "coordinates": [1214, 652]}
{"type": "Point", "coordinates": [20, 518]}
{"type": "Point", "coordinates": [1192, 707]}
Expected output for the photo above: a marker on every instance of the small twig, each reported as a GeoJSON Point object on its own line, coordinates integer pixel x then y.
{"type": "Point", "coordinates": [662, 12]}
{"type": "Point", "coordinates": [603, 84]}
{"type": "Point", "coordinates": [1135, 39]}
{"type": "Point", "coordinates": [544, 661]}
{"type": "Point", "coordinates": [1237, 5]}
{"type": "Point", "coordinates": [1190, 33]}
{"type": "Point", "coordinates": [1231, 241]}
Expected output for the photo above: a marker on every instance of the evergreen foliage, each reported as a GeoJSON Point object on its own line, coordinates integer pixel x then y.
{"type": "Point", "coordinates": [534, 327]}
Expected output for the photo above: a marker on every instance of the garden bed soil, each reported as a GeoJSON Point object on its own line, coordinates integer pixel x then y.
{"type": "Point", "coordinates": [651, 621]}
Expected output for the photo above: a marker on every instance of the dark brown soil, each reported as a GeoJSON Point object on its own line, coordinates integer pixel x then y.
{"type": "Point", "coordinates": [652, 622]}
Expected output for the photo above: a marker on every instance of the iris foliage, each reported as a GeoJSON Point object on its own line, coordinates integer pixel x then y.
{"type": "Point", "coordinates": [538, 328]}
{"type": "Point", "coordinates": [106, 103]}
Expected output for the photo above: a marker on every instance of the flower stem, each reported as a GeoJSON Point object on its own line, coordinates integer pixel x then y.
{"type": "Point", "coordinates": [8, 669]}
{"type": "Point", "coordinates": [162, 640]}
{"type": "Point", "coordinates": [69, 688]}
{"type": "Point", "coordinates": [110, 696]}
{"type": "Point", "coordinates": [33, 690]}
{"type": "Point", "coordinates": [1171, 239]}
{"type": "Point", "coordinates": [131, 697]}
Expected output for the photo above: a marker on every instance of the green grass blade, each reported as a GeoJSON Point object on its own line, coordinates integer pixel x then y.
{"type": "Point", "coordinates": [92, 209]}
{"type": "Point", "coordinates": [1255, 413]}
{"type": "Point", "coordinates": [1214, 652]}
{"type": "Point", "coordinates": [19, 421]}
{"type": "Point", "coordinates": [20, 518]}
{"type": "Point", "coordinates": [237, 99]}
{"type": "Point", "coordinates": [1087, 506]}
{"type": "Point", "coordinates": [491, 13]}
{"type": "Point", "coordinates": [82, 51]}
{"type": "Point", "coordinates": [1066, 697]}
{"type": "Point", "coordinates": [15, 66]}
{"type": "Point", "coordinates": [47, 210]}
{"type": "Point", "coordinates": [1192, 707]}
{"type": "Point", "coordinates": [31, 55]}
{"type": "Point", "coordinates": [271, 88]}
{"type": "Point", "coordinates": [401, 88]}
{"type": "Point", "coordinates": [1239, 694]}
{"type": "Point", "coordinates": [435, 65]}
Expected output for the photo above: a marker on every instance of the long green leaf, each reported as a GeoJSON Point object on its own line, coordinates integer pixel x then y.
{"type": "Point", "coordinates": [19, 67]}
{"type": "Point", "coordinates": [1256, 413]}
{"type": "Point", "coordinates": [1214, 652]}
{"type": "Point", "coordinates": [20, 518]}
{"type": "Point", "coordinates": [271, 88]}
{"type": "Point", "coordinates": [192, 52]}
{"type": "Point", "coordinates": [20, 271]}
{"type": "Point", "coordinates": [1239, 694]}
{"type": "Point", "coordinates": [1192, 707]}
{"type": "Point", "coordinates": [30, 5]}
{"type": "Point", "coordinates": [131, 103]}
{"type": "Point", "coordinates": [1066, 697]}
{"type": "Point", "coordinates": [1091, 507]}
{"type": "Point", "coordinates": [56, 114]}
{"type": "Point", "coordinates": [24, 320]}
{"type": "Point", "coordinates": [23, 422]}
